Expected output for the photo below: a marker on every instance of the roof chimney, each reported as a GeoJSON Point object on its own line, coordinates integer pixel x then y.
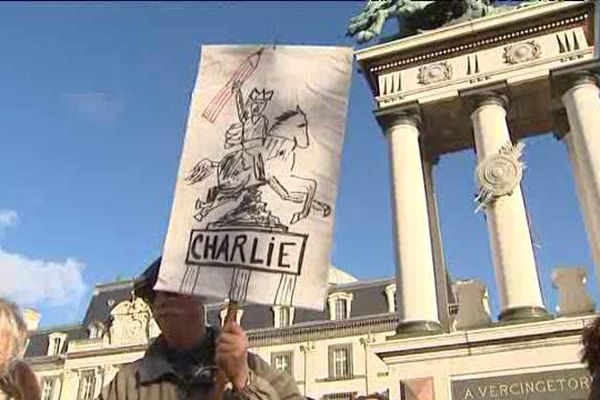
{"type": "Point", "coordinates": [32, 318]}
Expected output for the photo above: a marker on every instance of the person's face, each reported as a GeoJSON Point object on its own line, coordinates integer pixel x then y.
{"type": "Point", "coordinates": [177, 314]}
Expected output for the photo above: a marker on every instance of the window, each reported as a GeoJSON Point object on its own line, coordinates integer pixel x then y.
{"type": "Point", "coordinates": [283, 316]}
{"type": "Point", "coordinates": [47, 388]}
{"type": "Point", "coordinates": [339, 305]}
{"type": "Point", "coordinates": [56, 345]}
{"type": "Point", "coordinates": [340, 361]}
{"type": "Point", "coordinates": [96, 330]}
{"type": "Point", "coordinates": [87, 385]}
{"type": "Point", "coordinates": [282, 361]}
{"type": "Point", "coordinates": [340, 309]}
{"type": "Point", "coordinates": [390, 293]}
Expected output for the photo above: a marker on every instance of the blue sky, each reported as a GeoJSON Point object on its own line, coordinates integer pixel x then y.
{"type": "Point", "coordinates": [93, 105]}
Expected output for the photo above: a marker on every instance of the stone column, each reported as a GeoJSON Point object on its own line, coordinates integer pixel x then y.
{"type": "Point", "coordinates": [508, 228]}
{"type": "Point", "coordinates": [587, 206]}
{"type": "Point", "coordinates": [439, 267]}
{"type": "Point", "coordinates": [415, 279]}
{"type": "Point", "coordinates": [582, 103]}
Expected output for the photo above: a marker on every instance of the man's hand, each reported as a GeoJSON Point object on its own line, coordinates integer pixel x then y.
{"type": "Point", "coordinates": [232, 354]}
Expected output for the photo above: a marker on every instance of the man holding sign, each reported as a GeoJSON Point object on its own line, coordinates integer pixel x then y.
{"type": "Point", "coordinates": [182, 362]}
{"type": "Point", "coordinates": [252, 215]}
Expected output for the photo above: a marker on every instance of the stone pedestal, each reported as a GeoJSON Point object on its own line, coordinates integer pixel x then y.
{"type": "Point", "coordinates": [472, 313]}
{"type": "Point", "coordinates": [572, 296]}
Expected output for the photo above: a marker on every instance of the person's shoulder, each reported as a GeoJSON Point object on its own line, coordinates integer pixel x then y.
{"type": "Point", "coordinates": [114, 390]}
{"type": "Point", "coordinates": [262, 368]}
{"type": "Point", "coordinates": [255, 361]}
{"type": "Point", "coordinates": [266, 375]}
{"type": "Point", "coordinates": [128, 370]}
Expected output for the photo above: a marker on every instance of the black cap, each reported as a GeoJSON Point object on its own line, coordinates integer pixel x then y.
{"type": "Point", "coordinates": [143, 285]}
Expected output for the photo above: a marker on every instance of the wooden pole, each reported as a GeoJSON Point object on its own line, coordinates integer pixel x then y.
{"type": "Point", "coordinates": [221, 379]}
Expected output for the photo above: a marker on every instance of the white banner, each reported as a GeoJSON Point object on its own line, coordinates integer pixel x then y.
{"type": "Point", "coordinates": [252, 216]}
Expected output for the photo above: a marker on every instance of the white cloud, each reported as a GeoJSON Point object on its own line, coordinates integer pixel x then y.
{"type": "Point", "coordinates": [99, 107]}
{"type": "Point", "coordinates": [37, 282]}
{"type": "Point", "coordinates": [7, 218]}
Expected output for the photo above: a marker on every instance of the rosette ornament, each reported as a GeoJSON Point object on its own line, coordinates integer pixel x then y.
{"type": "Point", "coordinates": [497, 175]}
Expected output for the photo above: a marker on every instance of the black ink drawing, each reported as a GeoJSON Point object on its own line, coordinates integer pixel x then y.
{"type": "Point", "coordinates": [242, 73]}
{"type": "Point", "coordinates": [260, 154]}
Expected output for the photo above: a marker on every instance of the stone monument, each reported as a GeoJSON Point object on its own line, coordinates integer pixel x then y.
{"type": "Point", "coordinates": [475, 75]}
{"type": "Point", "coordinates": [480, 75]}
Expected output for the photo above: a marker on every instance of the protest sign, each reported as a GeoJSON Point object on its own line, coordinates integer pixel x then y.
{"type": "Point", "coordinates": [252, 216]}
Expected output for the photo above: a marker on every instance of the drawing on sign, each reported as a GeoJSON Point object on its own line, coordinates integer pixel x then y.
{"type": "Point", "coordinates": [260, 152]}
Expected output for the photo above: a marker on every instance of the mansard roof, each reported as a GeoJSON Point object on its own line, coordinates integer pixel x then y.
{"type": "Point", "coordinates": [39, 340]}
{"type": "Point", "coordinates": [368, 299]}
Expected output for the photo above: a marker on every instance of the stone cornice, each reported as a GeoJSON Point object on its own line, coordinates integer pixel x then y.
{"type": "Point", "coordinates": [107, 351]}
{"type": "Point", "coordinates": [323, 330]}
{"type": "Point", "coordinates": [484, 340]}
{"type": "Point", "coordinates": [44, 360]}
{"type": "Point", "coordinates": [262, 337]}
{"type": "Point", "coordinates": [110, 286]}
{"type": "Point", "coordinates": [457, 39]}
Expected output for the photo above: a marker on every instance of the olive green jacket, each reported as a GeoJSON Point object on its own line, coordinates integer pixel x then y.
{"type": "Point", "coordinates": [154, 377]}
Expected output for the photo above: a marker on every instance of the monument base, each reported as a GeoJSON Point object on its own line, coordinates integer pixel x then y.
{"type": "Point", "coordinates": [524, 314]}
{"type": "Point", "coordinates": [417, 328]}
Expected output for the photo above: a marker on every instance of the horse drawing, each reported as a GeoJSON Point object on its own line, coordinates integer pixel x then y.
{"type": "Point", "coordinates": [263, 161]}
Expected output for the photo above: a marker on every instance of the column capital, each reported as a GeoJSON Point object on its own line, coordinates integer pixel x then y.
{"type": "Point", "coordinates": [496, 94]}
{"type": "Point", "coordinates": [409, 114]}
{"type": "Point", "coordinates": [570, 76]}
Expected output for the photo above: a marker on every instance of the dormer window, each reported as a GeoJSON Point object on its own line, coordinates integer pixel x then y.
{"type": "Point", "coordinates": [96, 330]}
{"type": "Point", "coordinates": [56, 345]}
{"type": "Point", "coordinates": [390, 294]}
{"type": "Point", "coordinates": [238, 316]}
{"type": "Point", "coordinates": [340, 309]}
{"type": "Point", "coordinates": [283, 316]}
{"type": "Point", "coordinates": [340, 305]}
{"type": "Point", "coordinates": [56, 342]}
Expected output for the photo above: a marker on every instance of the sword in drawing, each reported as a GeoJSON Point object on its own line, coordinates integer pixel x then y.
{"type": "Point", "coordinates": [243, 72]}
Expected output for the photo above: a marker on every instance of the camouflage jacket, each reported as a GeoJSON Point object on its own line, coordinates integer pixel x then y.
{"type": "Point", "coordinates": [156, 377]}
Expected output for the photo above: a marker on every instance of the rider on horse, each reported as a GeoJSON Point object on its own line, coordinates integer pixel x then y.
{"type": "Point", "coordinates": [252, 130]}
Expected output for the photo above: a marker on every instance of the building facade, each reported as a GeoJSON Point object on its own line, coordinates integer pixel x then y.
{"type": "Point", "coordinates": [328, 353]}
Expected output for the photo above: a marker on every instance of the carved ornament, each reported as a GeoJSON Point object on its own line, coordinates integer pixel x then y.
{"type": "Point", "coordinates": [498, 174]}
{"type": "Point", "coordinates": [441, 71]}
{"type": "Point", "coordinates": [520, 52]}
